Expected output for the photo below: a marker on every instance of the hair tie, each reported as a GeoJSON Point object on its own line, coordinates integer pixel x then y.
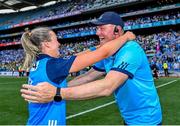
{"type": "Point", "coordinates": [29, 33]}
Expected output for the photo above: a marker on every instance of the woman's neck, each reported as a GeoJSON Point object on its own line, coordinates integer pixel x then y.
{"type": "Point", "coordinates": [53, 54]}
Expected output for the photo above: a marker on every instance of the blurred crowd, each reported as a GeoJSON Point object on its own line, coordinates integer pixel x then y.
{"type": "Point", "coordinates": [11, 59]}
{"type": "Point", "coordinates": [154, 18]}
{"type": "Point", "coordinates": [76, 47]}
{"type": "Point", "coordinates": [162, 48]}
{"type": "Point", "coordinates": [159, 47]}
{"type": "Point", "coordinates": [85, 29]}
{"type": "Point", "coordinates": [8, 40]}
{"type": "Point", "coordinates": [70, 7]}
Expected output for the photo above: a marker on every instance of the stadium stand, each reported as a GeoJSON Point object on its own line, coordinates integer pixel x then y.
{"type": "Point", "coordinates": [155, 22]}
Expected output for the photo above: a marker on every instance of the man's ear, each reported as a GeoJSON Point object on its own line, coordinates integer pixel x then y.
{"type": "Point", "coordinates": [116, 30]}
{"type": "Point", "coordinates": [120, 30]}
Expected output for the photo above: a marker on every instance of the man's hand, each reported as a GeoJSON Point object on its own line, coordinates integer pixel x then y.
{"type": "Point", "coordinates": [41, 93]}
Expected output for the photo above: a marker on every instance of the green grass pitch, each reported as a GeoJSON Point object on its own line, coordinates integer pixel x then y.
{"type": "Point", "coordinates": [13, 109]}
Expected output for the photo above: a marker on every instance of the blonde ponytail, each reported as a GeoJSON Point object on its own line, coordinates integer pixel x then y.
{"type": "Point", "coordinates": [31, 51]}
{"type": "Point", "coordinates": [31, 42]}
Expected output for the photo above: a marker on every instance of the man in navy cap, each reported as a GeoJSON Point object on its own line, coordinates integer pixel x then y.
{"type": "Point", "coordinates": [128, 76]}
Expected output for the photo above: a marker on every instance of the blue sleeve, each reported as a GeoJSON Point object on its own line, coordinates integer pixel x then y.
{"type": "Point", "coordinates": [128, 60]}
{"type": "Point", "coordinates": [57, 69]}
{"type": "Point", "coordinates": [92, 48]}
{"type": "Point", "coordinates": [99, 66]}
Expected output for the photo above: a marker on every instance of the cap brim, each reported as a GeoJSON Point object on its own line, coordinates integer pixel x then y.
{"type": "Point", "coordinates": [96, 23]}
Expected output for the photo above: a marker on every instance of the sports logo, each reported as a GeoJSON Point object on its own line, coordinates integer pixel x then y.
{"type": "Point", "coordinates": [123, 65]}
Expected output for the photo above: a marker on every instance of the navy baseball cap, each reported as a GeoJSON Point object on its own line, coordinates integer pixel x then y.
{"type": "Point", "coordinates": [109, 18]}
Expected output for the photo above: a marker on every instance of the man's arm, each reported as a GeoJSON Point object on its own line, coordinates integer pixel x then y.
{"type": "Point", "coordinates": [45, 92]}
{"type": "Point", "coordinates": [89, 76]}
{"type": "Point", "coordinates": [99, 88]}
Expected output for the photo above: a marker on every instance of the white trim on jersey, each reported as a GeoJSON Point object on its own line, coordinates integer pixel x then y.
{"type": "Point", "coordinates": [52, 122]}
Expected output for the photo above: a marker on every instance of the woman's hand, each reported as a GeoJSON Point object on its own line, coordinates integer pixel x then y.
{"type": "Point", "coordinates": [130, 35]}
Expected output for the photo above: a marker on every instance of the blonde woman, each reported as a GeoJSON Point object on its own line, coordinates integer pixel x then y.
{"type": "Point", "coordinates": [42, 55]}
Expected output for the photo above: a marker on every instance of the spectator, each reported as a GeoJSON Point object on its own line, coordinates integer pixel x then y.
{"type": "Point", "coordinates": [165, 67]}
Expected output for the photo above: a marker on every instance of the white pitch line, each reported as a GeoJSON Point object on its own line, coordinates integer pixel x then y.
{"type": "Point", "coordinates": [166, 84]}
{"type": "Point", "coordinates": [90, 110]}
{"type": "Point", "coordinates": [107, 104]}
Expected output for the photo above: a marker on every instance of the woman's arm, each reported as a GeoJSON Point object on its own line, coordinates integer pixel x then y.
{"type": "Point", "coordinates": [106, 50]}
{"type": "Point", "coordinates": [86, 51]}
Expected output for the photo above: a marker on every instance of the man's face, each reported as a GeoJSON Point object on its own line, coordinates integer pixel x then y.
{"type": "Point", "coordinates": [105, 33]}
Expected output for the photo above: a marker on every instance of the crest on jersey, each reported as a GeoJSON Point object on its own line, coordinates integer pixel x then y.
{"type": "Point", "coordinates": [34, 66]}
{"type": "Point", "coordinates": [67, 57]}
